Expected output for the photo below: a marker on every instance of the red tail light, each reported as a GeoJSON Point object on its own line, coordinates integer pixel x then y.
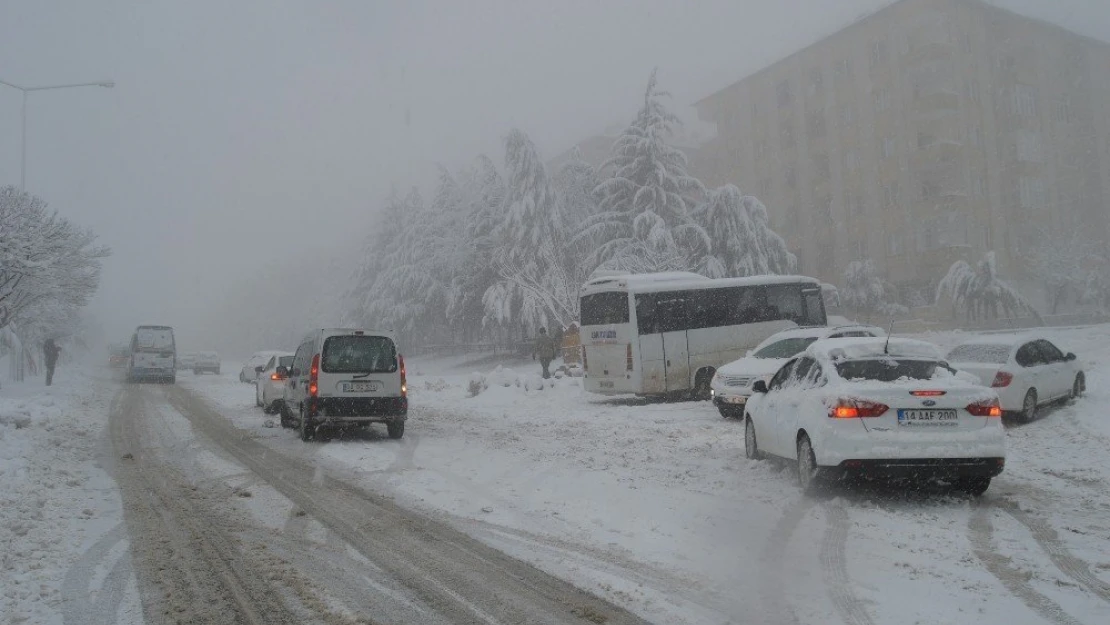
{"type": "Point", "coordinates": [927, 393]}
{"type": "Point", "coordinates": [849, 408]}
{"type": "Point", "coordinates": [987, 408]}
{"type": "Point", "coordinates": [628, 357]}
{"type": "Point", "coordinates": [276, 376]}
{"type": "Point", "coordinates": [1002, 379]}
{"type": "Point", "coordinates": [314, 376]}
{"type": "Point", "coordinates": [404, 377]}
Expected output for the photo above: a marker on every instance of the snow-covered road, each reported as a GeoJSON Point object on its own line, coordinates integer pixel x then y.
{"type": "Point", "coordinates": [650, 506]}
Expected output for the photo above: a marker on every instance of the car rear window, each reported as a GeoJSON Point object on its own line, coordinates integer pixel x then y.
{"type": "Point", "coordinates": [785, 348]}
{"type": "Point", "coordinates": [992, 354]}
{"type": "Point", "coordinates": [153, 340]}
{"type": "Point", "coordinates": [358, 354]}
{"type": "Point", "coordinates": [887, 369]}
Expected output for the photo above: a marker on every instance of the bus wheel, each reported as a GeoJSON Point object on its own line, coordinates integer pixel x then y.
{"type": "Point", "coordinates": [701, 390]}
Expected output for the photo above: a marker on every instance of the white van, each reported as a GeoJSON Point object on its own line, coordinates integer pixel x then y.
{"type": "Point", "coordinates": [153, 355]}
{"type": "Point", "coordinates": [346, 377]}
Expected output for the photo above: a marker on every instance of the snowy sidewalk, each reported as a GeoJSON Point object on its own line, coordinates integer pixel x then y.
{"type": "Point", "coordinates": [57, 502]}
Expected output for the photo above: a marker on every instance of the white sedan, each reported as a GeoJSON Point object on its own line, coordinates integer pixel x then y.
{"type": "Point", "coordinates": [869, 408]}
{"type": "Point", "coordinates": [731, 386]}
{"type": "Point", "coordinates": [1026, 371]}
{"type": "Point", "coordinates": [250, 371]}
{"type": "Point", "coordinates": [269, 391]}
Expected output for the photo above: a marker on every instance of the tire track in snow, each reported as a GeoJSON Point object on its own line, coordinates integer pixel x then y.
{"type": "Point", "coordinates": [1078, 570]}
{"type": "Point", "coordinates": [834, 568]}
{"type": "Point", "coordinates": [981, 533]}
{"type": "Point", "coordinates": [79, 607]}
{"type": "Point", "coordinates": [776, 608]}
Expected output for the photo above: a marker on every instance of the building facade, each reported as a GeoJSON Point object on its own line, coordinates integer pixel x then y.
{"type": "Point", "coordinates": [930, 131]}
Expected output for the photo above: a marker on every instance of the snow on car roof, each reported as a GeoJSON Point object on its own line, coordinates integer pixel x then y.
{"type": "Point", "coordinates": [867, 347]}
{"type": "Point", "coordinates": [1000, 339]}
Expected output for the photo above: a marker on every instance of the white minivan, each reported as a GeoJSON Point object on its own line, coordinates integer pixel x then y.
{"type": "Point", "coordinates": [343, 377]}
{"type": "Point", "coordinates": [153, 355]}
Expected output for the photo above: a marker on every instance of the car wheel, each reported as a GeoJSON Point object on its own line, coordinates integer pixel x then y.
{"type": "Point", "coordinates": [751, 445]}
{"type": "Point", "coordinates": [1079, 387]}
{"type": "Point", "coordinates": [306, 429]}
{"type": "Point", "coordinates": [809, 474]}
{"type": "Point", "coordinates": [1029, 406]}
{"type": "Point", "coordinates": [701, 390]}
{"type": "Point", "coordinates": [396, 429]}
{"type": "Point", "coordinates": [974, 486]}
{"type": "Point", "coordinates": [287, 420]}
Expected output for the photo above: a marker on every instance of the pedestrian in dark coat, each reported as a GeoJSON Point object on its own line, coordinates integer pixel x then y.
{"type": "Point", "coordinates": [544, 351]}
{"type": "Point", "coordinates": [50, 353]}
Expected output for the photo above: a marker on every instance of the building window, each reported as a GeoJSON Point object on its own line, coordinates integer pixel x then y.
{"type": "Point", "coordinates": [851, 160]}
{"type": "Point", "coordinates": [848, 116]}
{"type": "Point", "coordinates": [852, 205]}
{"type": "Point", "coordinates": [930, 190]}
{"type": "Point", "coordinates": [815, 126]}
{"type": "Point", "coordinates": [764, 187]}
{"type": "Point", "coordinates": [761, 148]}
{"type": "Point", "coordinates": [1031, 192]}
{"type": "Point", "coordinates": [925, 139]}
{"type": "Point", "coordinates": [890, 195]}
{"type": "Point", "coordinates": [791, 177]}
{"type": "Point", "coordinates": [973, 91]}
{"type": "Point", "coordinates": [1061, 111]}
{"type": "Point", "coordinates": [816, 80]}
{"type": "Point", "coordinates": [888, 147]}
{"type": "Point", "coordinates": [895, 244]}
{"type": "Point", "coordinates": [844, 68]}
{"type": "Point", "coordinates": [1023, 101]}
{"type": "Point", "coordinates": [882, 99]}
{"type": "Point", "coordinates": [975, 135]}
{"type": "Point", "coordinates": [783, 95]}
{"type": "Point", "coordinates": [1028, 146]}
{"type": "Point", "coordinates": [977, 185]}
{"type": "Point", "coordinates": [861, 247]}
{"type": "Point", "coordinates": [821, 165]}
{"type": "Point", "coordinates": [755, 109]}
{"type": "Point", "coordinates": [878, 53]}
{"type": "Point", "coordinates": [786, 135]}
{"type": "Point", "coordinates": [965, 43]}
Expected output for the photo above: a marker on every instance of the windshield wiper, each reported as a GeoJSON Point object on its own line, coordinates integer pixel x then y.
{"type": "Point", "coordinates": [361, 375]}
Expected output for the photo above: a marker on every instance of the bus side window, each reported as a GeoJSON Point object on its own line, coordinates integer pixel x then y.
{"type": "Point", "coordinates": [787, 303]}
{"type": "Point", "coordinates": [645, 313]}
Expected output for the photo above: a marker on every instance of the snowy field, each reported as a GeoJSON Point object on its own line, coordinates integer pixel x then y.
{"type": "Point", "coordinates": [650, 505]}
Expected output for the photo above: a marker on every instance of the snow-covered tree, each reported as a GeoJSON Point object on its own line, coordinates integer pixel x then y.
{"type": "Point", "coordinates": [1059, 257]}
{"type": "Point", "coordinates": [865, 292]}
{"type": "Point", "coordinates": [644, 221]}
{"type": "Point", "coordinates": [741, 243]}
{"type": "Point", "coordinates": [49, 268]}
{"type": "Point", "coordinates": [980, 292]}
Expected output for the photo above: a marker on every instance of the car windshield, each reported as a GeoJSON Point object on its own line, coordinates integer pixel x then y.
{"type": "Point", "coordinates": [980, 353]}
{"type": "Point", "coordinates": [358, 354]}
{"type": "Point", "coordinates": [785, 348]}
{"type": "Point", "coordinates": [887, 369]}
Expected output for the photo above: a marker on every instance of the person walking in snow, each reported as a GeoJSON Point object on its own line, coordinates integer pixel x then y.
{"type": "Point", "coordinates": [544, 351]}
{"type": "Point", "coordinates": [50, 352]}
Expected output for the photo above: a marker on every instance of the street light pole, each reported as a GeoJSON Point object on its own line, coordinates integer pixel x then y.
{"type": "Point", "coordinates": [107, 84]}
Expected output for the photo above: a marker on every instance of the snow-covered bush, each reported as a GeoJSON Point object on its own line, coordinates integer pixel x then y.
{"type": "Point", "coordinates": [980, 292]}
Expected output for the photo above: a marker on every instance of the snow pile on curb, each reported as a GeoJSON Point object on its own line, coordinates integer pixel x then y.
{"type": "Point", "coordinates": [503, 377]}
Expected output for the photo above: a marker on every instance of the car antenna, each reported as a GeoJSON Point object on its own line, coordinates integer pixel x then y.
{"type": "Point", "coordinates": [886, 346]}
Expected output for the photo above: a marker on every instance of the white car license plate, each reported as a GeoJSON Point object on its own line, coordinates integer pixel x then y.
{"type": "Point", "coordinates": [361, 387]}
{"type": "Point", "coordinates": [735, 400]}
{"type": "Point", "coordinates": [928, 418]}
{"type": "Point", "coordinates": [606, 385]}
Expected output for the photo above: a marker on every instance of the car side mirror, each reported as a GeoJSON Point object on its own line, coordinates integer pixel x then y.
{"type": "Point", "coordinates": [282, 371]}
{"type": "Point", "coordinates": [1070, 357]}
{"type": "Point", "coordinates": [760, 386]}
{"type": "Point", "coordinates": [294, 372]}
{"type": "Point", "coordinates": [259, 369]}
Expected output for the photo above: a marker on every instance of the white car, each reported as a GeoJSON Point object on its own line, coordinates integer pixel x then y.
{"type": "Point", "coordinates": [732, 384]}
{"type": "Point", "coordinates": [206, 361]}
{"type": "Point", "coordinates": [269, 392]}
{"type": "Point", "coordinates": [1026, 371]}
{"type": "Point", "coordinates": [250, 371]}
{"type": "Point", "coordinates": [873, 408]}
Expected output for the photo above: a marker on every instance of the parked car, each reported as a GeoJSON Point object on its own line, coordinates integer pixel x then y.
{"type": "Point", "coordinates": [250, 371]}
{"type": "Point", "coordinates": [1026, 371]}
{"type": "Point", "coordinates": [206, 361]}
{"type": "Point", "coordinates": [186, 360]}
{"type": "Point", "coordinates": [343, 377]}
{"type": "Point", "coordinates": [877, 408]}
{"type": "Point", "coordinates": [732, 385]}
{"type": "Point", "coordinates": [269, 392]}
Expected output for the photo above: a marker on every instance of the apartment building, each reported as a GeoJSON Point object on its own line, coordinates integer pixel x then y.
{"type": "Point", "coordinates": [929, 131]}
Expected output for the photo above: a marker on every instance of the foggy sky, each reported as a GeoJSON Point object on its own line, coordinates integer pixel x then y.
{"type": "Point", "coordinates": [242, 132]}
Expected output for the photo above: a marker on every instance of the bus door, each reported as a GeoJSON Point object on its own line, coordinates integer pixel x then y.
{"type": "Point", "coordinates": [672, 321]}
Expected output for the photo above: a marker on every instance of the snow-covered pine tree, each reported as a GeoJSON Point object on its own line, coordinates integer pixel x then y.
{"type": "Point", "coordinates": [741, 242]}
{"type": "Point", "coordinates": [980, 292]}
{"type": "Point", "coordinates": [643, 223]}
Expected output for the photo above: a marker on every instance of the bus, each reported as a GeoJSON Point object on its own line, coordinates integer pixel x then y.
{"type": "Point", "coordinates": [667, 333]}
